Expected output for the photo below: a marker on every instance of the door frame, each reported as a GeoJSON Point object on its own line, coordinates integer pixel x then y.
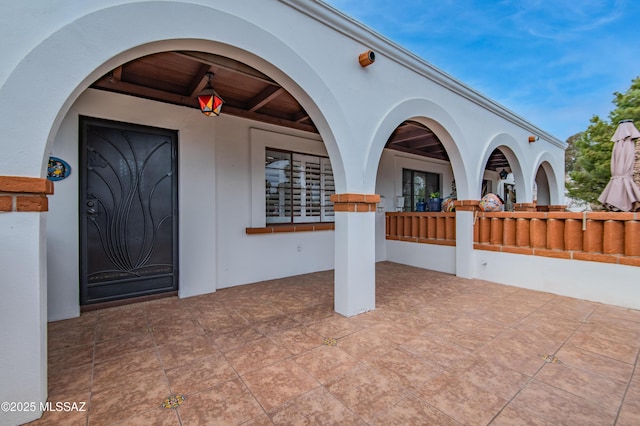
{"type": "Point", "coordinates": [82, 199]}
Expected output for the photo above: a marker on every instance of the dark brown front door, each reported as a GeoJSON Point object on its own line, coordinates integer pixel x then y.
{"type": "Point", "coordinates": [128, 211]}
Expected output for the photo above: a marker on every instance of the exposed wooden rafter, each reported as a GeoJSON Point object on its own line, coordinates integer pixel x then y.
{"type": "Point", "coordinates": [177, 77]}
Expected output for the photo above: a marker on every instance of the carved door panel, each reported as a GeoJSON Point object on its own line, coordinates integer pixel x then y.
{"type": "Point", "coordinates": [128, 211]}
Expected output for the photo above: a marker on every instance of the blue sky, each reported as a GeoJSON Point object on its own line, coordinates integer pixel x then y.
{"type": "Point", "coordinates": [556, 63]}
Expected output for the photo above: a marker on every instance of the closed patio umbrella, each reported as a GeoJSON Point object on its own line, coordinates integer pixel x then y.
{"type": "Point", "coordinates": [621, 192]}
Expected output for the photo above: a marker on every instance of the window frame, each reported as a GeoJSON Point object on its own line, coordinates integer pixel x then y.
{"type": "Point", "coordinates": [410, 199]}
{"type": "Point", "coordinates": [325, 206]}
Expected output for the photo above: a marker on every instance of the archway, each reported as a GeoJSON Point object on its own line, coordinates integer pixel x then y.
{"type": "Point", "coordinates": [502, 172]}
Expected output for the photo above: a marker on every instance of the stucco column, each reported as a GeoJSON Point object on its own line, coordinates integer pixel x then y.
{"type": "Point", "coordinates": [23, 305]}
{"type": "Point", "coordinates": [465, 216]}
{"type": "Point", "coordinates": [355, 254]}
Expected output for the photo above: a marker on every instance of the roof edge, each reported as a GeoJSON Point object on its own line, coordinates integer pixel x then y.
{"type": "Point", "coordinates": [349, 27]}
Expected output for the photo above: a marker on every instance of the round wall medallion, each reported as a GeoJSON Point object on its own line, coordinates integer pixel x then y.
{"type": "Point", "coordinates": [57, 169]}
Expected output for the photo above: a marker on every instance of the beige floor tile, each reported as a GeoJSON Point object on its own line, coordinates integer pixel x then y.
{"type": "Point", "coordinates": [279, 383]}
{"type": "Point", "coordinates": [71, 357]}
{"type": "Point", "coordinates": [234, 339]}
{"type": "Point", "coordinates": [408, 370]}
{"type": "Point", "coordinates": [127, 368]}
{"type": "Point", "coordinates": [516, 352]}
{"type": "Point", "coordinates": [327, 363]}
{"type": "Point", "coordinates": [316, 407]}
{"type": "Point", "coordinates": [630, 411]}
{"type": "Point", "coordinates": [412, 411]}
{"type": "Point", "coordinates": [298, 340]}
{"type": "Point", "coordinates": [256, 355]}
{"type": "Point", "coordinates": [228, 403]}
{"type": "Point", "coordinates": [309, 315]}
{"type": "Point", "coordinates": [114, 348]}
{"type": "Point", "coordinates": [515, 415]}
{"type": "Point", "coordinates": [158, 416]}
{"type": "Point", "coordinates": [437, 349]}
{"type": "Point", "coordinates": [129, 398]}
{"type": "Point", "coordinates": [366, 392]}
{"type": "Point", "coordinates": [501, 313]}
{"type": "Point", "coordinates": [76, 380]}
{"type": "Point", "coordinates": [276, 325]}
{"type": "Point", "coordinates": [170, 333]}
{"type": "Point", "coordinates": [560, 407]}
{"type": "Point", "coordinates": [468, 332]}
{"type": "Point", "coordinates": [366, 344]}
{"type": "Point", "coordinates": [200, 374]}
{"type": "Point", "coordinates": [121, 327]}
{"type": "Point", "coordinates": [625, 352]}
{"type": "Point", "coordinates": [260, 420]}
{"type": "Point", "coordinates": [617, 332]}
{"type": "Point", "coordinates": [604, 392]}
{"type": "Point", "coordinates": [185, 351]}
{"type": "Point", "coordinates": [460, 399]}
{"type": "Point", "coordinates": [75, 335]}
{"type": "Point", "coordinates": [493, 377]}
{"type": "Point", "coordinates": [595, 363]}
{"type": "Point", "coordinates": [334, 327]}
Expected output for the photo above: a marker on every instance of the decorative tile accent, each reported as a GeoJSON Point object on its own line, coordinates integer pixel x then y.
{"type": "Point", "coordinates": [330, 341]}
{"type": "Point", "coordinates": [173, 401]}
{"type": "Point", "coordinates": [551, 359]}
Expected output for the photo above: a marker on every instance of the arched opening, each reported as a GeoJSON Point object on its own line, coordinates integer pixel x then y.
{"type": "Point", "coordinates": [417, 184]}
{"type": "Point", "coordinates": [502, 173]}
{"type": "Point", "coordinates": [176, 78]}
{"type": "Point", "coordinates": [498, 179]}
{"type": "Point", "coordinates": [542, 193]}
{"type": "Point", "coordinates": [430, 179]}
{"type": "Point", "coordinates": [259, 115]}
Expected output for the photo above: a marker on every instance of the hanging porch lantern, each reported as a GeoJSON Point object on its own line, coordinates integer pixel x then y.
{"type": "Point", "coordinates": [210, 102]}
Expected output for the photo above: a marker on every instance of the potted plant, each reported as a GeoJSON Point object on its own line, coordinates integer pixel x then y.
{"type": "Point", "coordinates": [435, 202]}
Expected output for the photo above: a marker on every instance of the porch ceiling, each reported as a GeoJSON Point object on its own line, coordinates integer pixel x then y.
{"type": "Point", "coordinates": [176, 77]}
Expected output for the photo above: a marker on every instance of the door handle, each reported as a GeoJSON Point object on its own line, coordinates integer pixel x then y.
{"type": "Point", "coordinates": [92, 212]}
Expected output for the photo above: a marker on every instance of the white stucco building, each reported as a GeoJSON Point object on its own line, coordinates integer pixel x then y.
{"type": "Point", "coordinates": [55, 51]}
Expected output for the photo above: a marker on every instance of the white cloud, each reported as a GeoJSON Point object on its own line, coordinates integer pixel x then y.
{"type": "Point", "coordinates": [556, 63]}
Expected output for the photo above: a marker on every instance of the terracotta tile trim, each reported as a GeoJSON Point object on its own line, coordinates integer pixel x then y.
{"type": "Point", "coordinates": [355, 203]}
{"type": "Point", "coordinates": [562, 254]}
{"type": "Point", "coordinates": [525, 207]}
{"type": "Point", "coordinates": [422, 214]}
{"type": "Point", "coordinates": [302, 227]}
{"type": "Point", "coordinates": [26, 185]}
{"type": "Point", "coordinates": [24, 194]}
{"type": "Point", "coordinates": [467, 205]}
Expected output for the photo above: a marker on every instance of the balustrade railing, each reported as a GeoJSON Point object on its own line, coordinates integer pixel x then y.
{"type": "Point", "coordinates": [593, 236]}
{"type": "Point", "coordinates": [596, 236]}
{"type": "Point", "coordinates": [422, 227]}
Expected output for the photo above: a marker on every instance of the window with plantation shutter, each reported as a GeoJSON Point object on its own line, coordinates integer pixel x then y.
{"type": "Point", "coordinates": [298, 187]}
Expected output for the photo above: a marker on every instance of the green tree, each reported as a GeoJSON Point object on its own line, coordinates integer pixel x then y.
{"type": "Point", "coordinates": [591, 169]}
{"type": "Point", "coordinates": [570, 152]}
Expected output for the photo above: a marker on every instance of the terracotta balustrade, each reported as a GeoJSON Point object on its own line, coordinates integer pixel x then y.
{"type": "Point", "coordinates": [422, 227]}
{"type": "Point", "coordinates": [594, 236]}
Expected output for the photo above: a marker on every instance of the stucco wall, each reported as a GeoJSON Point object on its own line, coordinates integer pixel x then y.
{"type": "Point", "coordinates": [54, 49]}
{"type": "Point", "coordinates": [215, 205]}
{"type": "Point", "coordinates": [600, 282]}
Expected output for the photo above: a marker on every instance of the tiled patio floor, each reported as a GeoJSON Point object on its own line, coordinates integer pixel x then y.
{"type": "Point", "coordinates": [437, 350]}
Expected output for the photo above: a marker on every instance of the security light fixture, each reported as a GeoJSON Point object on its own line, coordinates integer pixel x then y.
{"type": "Point", "coordinates": [367, 58]}
{"type": "Point", "coordinates": [210, 102]}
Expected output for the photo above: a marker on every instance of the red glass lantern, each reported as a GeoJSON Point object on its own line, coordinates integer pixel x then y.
{"type": "Point", "coordinates": [210, 102]}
